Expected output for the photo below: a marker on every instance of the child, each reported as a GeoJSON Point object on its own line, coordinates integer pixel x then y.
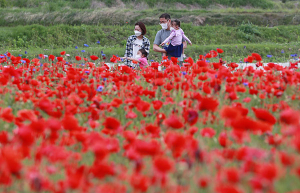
{"type": "Point", "coordinates": [141, 58]}
{"type": "Point", "coordinates": [175, 48]}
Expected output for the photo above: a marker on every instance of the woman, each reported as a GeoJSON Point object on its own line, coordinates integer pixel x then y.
{"type": "Point", "coordinates": [136, 42]}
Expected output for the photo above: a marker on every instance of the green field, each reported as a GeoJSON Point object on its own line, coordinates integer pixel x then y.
{"type": "Point", "coordinates": [239, 27]}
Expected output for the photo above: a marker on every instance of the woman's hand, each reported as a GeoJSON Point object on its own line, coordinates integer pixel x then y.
{"type": "Point", "coordinates": [162, 44]}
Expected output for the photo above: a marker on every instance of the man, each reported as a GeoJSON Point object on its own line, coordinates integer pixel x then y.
{"type": "Point", "coordinates": [161, 35]}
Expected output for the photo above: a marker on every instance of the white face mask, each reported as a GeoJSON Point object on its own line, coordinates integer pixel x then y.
{"type": "Point", "coordinates": [164, 25]}
{"type": "Point", "coordinates": [138, 56]}
{"type": "Point", "coordinates": [137, 33]}
{"type": "Point", "coordinates": [171, 28]}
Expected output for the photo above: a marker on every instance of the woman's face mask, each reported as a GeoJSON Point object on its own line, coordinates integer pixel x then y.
{"type": "Point", "coordinates": [137, 33]}
{"type": "Point", "coordinates": [171, 28]}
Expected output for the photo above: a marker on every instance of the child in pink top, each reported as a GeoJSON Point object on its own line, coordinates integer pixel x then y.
{"type": "Point", "coordinates": [141, 58]}
{"type": "Point", "coordinates": [176, 47]}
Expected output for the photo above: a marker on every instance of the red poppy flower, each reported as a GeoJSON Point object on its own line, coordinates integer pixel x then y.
{"type": "Point", "coordinates": [7, 115]}
{"type": "Point", "coordinates": [93, 57]}
{"type": "Point", "coordinates": [189, 60]}
{"type": "Point", "coordinates": [264, 115]}
{"type": "Point", "coordinates": [139, 182]}
{"type": "Point", "coordinates": [111, 123]}
{"type": "Point", "coordinates": [290, 117]}
{"type": "Point", "coordinates": [157, 104]}
{"type": "Point", "coordinates": [223, 139]}
{"type": "Point", "coordinates": [143, 106]}
{"type": "Point", "coordinates": [163, 164]}
{"type": "Point", "coordinates": [158, 82]}
{"type": "Point", "coordinates": [60, 59]}
{"type": "Point", "coordinates": [25, 135]}
{"type": "Point", "coordinates": [174, 60]}
{"type": "Point", "coordinates": [154, 130]}
{"type": "Point", "coordinates": [77, 58]}
{"type": "Point", "coordinates": [249, 59]}
{"type": "Point", "coordinates": [208, 103]}
{"type": "Point", "coordinates": [286, 159]}
{"type": "Point", "coordinates": [268, 171]}
{"type": "Point", "coordinates": [131, 115]}
{"type": "Point", "coordinates": [202, 63]}
{"type": "Point", "coordinates": [232, 175]}
{"type": "Point", "coordinates": [145, 148]}
{"type": "Point", "coordinates": [51, 57]}
{"type": "Point", "coordinates": [208, 132]}
{"type": "Point", "coordinates": [226, 188]}
{"type": "Point", "coordinates": [63, 53]}
{"type": "Point", "coordinates": [190, 116]}
{"type": "Point", "coordinates": [173, 122]}
{"type": "Point", "coordinates": [203, 182]}
{"type": "Point", "coordinates": [114, 59]}
{"type": "Point", "coordinates": [213, 53]}
{"type": "Point", "coordinates": [101, 170]}
{"type": "Point", "coordinates": [220, 51]}
{"type": "Point", "coordinates": [256, 57]}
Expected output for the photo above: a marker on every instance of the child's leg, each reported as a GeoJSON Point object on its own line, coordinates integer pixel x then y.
{"type": "Point", "coordinates": [165, 54]}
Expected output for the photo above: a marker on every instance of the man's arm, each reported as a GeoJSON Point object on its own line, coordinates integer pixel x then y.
{"type": "Point", "coordinates": [157, 42]}
{"type": "Point", "coordinates": [156, 48]}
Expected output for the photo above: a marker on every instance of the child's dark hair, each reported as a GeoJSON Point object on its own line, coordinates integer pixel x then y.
{"type": "Point", "coordinates": [177, 22]}
{"type": "Point", "coordinates": [144, 52]}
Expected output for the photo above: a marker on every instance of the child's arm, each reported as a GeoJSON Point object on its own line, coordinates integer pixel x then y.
{"type": "Point", "coordinates": [168, 38]}
{"type": "Point", "coordinates": [132, 59]}
{"type": "Point", "coordinates": [186, 38]}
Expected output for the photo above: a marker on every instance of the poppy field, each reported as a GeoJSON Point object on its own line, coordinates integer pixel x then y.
{"type": "Point", "coordinates": [75, 124]}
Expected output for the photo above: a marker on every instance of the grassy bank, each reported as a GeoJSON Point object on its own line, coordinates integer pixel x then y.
{"type": "Point", "coordinates": [84, 4]}
{"type": "Point", "coordinates": [123, 16]}
{"type": "Point", "coordinates": [61, 36]}
{"type": "Point", "coordinates": [238, 41]}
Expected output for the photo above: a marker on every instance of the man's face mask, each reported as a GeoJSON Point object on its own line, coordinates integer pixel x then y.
{"type": "Point", "coordinates": [164, 25]}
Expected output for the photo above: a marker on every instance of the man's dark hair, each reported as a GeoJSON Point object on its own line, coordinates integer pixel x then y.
{"type": "Point", "coordinates": [177, 22]}
{"type": "Point", "coordinates": [142, 26]}
{"type": "Point", "coordinates": [144, 52]}
{"type": "Point", "coordinates": [165, 15]}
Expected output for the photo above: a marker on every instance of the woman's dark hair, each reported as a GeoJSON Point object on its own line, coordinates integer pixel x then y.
{"type": "Point", "coordinates": [144, 52]}
{"type": "Point", "coordinates": [165, 15]}
{"type": "Point", "coordinates": [177, 22]}
{"type": "Point", "coordinates": [142, 26]}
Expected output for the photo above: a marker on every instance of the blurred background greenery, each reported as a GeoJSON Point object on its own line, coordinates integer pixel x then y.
{"type": "Point", "coordinates": [239, 27]}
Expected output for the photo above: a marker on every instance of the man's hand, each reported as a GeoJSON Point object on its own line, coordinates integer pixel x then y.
{"type": "Point", "coordinates": [156, 48]}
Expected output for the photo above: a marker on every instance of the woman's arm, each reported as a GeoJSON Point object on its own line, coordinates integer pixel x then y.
{"type": "Point", "coordinates": [127, 50]}
{"type": "Point", "coordinates": [147, 46]}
